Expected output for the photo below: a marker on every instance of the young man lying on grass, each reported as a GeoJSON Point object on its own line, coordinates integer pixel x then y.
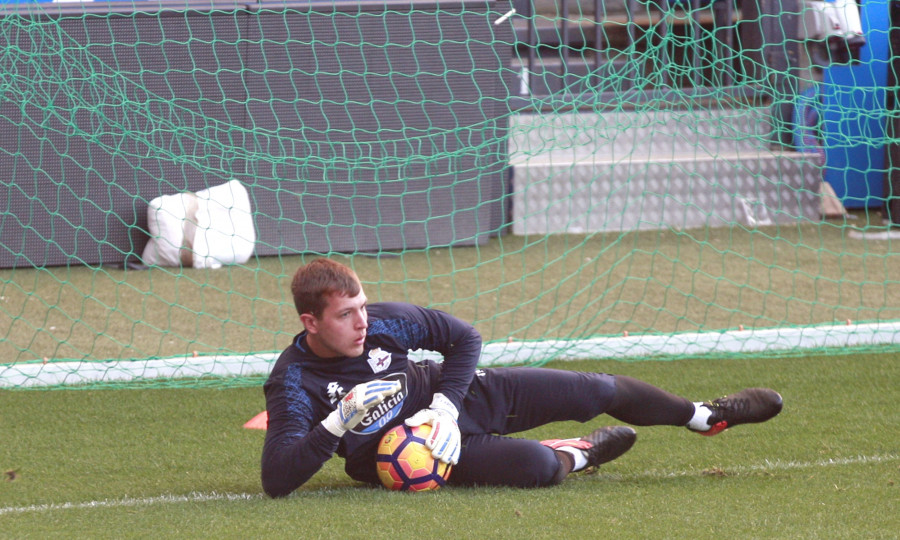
{"type": "Point", "coordinates": [346, 379]}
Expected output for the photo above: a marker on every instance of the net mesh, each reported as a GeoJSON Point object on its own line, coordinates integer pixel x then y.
{"type": "Point", "coordinates": [579, 180]}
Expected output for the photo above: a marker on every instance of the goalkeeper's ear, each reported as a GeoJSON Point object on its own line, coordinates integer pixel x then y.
{"type": "Point", "coordinates": [309, 322]}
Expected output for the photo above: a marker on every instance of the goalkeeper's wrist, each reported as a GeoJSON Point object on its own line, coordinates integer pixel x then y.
{"type": "Point", "coordinates": [333, 424]}
{"type": "Point", "coordinates": [442, 403]}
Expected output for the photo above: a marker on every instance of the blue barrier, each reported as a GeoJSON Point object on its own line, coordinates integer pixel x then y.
{"type": "Point", "coordinates": [854, 113]}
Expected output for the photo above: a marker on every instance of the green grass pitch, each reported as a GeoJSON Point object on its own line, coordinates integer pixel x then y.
{"type": "Point", "coordinates": [168, 463]}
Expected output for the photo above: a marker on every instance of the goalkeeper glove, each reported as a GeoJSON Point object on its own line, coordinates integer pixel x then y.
{"type": "Point", "coordinates": [444, 440]}
{"type": "Point", "coordinates": [354, 406]}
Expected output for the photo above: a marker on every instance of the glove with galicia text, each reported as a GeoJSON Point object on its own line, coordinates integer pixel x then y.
{"type": "Point", "coordinates": [354, 406]}
{"type": "Point", "coordinates": [444, 439]}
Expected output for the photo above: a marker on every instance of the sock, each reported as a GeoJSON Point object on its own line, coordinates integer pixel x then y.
{"type": "Point", "coordinates": [700, 420]}
{"type": "Point", "coordinates": [579, 460]}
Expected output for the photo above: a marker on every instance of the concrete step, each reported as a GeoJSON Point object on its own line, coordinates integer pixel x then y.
{"type": "Point", "coordinates": [585, 172]}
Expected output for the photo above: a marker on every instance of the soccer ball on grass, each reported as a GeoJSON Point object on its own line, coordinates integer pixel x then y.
{"type": "Point", "coordinates": [404, 464]}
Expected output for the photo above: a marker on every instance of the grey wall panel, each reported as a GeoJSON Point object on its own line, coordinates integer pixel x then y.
{"type": "Point", "coordinates": [92, 125]}
{"type": "Point", "coordinates": [383, 125]}
{"type": "Point", "coordinates": [344, 147]}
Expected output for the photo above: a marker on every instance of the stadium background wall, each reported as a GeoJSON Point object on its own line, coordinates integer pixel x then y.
{"type": "Point", "coordinates": [311, 164]}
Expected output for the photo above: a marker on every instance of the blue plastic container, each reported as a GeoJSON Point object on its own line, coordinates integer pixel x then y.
{"type": "Point", "coordinates": [853, 116]}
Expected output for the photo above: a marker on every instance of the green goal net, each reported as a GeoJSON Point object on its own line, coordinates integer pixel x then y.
{"type": "Point", "coordinates": [650, 179]}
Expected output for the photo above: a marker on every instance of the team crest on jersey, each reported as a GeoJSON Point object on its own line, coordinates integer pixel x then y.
{"type": "Point", "coordinates": [379, 359]}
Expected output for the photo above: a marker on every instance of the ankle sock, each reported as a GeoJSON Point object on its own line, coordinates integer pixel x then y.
{"type": "Point", "coordinates": [579, 460]}
{"type": "Point", "coordinates": [700, 420]}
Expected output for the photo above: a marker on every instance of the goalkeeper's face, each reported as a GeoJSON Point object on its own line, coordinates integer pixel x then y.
{"type": "Point", "coordinates": [341, 330]}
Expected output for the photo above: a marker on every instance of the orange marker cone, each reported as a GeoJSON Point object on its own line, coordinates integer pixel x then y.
{"type": "Point", "coordinates": [260, 421]}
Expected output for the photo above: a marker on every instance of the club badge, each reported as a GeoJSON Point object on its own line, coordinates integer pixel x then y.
{"type": "Point", "coordinates": [379, 360]}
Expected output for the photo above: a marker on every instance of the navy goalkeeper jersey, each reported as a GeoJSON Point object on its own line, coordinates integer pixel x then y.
{"type": "Point", "coordinates": [303, 389]}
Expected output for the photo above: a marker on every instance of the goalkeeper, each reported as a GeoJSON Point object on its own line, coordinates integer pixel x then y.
{"type": "Point", "coordinates": [347, 379]}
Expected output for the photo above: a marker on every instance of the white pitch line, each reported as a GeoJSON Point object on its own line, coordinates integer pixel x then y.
{"type": "Point", "coordinates": [214, 496]}
{"type": "Point", "coordinates": [776, 465]}
{"type": "Point", "coordinates": [131, 501]}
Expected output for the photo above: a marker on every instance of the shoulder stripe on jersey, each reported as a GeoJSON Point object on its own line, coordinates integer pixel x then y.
{"type": "Point", "coordinates": [407, 332]}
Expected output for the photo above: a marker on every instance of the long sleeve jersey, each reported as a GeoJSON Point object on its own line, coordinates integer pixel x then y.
{"type": "Point", "coordinates": [303, 389]}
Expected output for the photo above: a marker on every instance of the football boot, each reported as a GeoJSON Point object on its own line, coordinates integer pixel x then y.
{"type": "Point", "coordinates": [748, 406]}
{"type": "Point", "coordinates": [601, 446]}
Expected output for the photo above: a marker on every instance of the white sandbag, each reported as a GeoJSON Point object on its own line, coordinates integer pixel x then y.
{"type": "Point", "coordinates": [165, 223]}
{"type": "Point", "coordinates": [224, 226]}
{"type": "Point", "coordinates": [208, 229]}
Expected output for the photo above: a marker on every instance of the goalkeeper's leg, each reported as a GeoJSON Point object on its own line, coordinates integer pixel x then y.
{"type": "Point", "coordinates": [641, 404]}
{"type": "Point", "coordinates": [510, 400]}
{"type": "Point", "coordinates": [494, 460]}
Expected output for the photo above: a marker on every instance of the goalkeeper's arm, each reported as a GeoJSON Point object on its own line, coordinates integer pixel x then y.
{"type": "Point", "coordinates": [294, 451]}
{"type": "Point", "coordinates": [289, 459]}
